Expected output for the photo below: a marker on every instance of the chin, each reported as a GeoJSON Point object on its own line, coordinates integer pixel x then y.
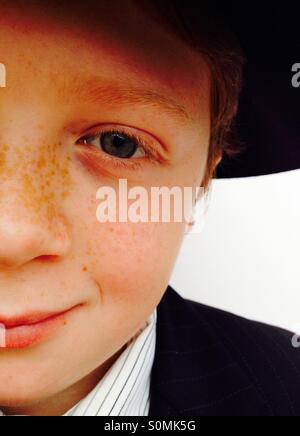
{"type": "Point", "coordinates": [19, 391]}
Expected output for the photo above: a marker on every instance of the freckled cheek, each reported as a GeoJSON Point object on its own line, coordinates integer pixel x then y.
{"type": "Point", "coordinates": [126, 260]}
{"type": "Point", "coordinates": [133, 261]}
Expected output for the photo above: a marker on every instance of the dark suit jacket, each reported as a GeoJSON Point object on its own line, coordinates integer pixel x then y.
{"type": "Point", "coordinates": [212, 363]}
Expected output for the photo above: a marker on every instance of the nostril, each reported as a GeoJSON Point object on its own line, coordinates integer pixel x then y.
{"type": "Point", "coordinates": [6, 264]}
{"type": "Point", "coordinates": [47, 258]}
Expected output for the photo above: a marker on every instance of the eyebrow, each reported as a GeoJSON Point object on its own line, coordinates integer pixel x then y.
{"type": "Point", "coordinates": [97, 90]}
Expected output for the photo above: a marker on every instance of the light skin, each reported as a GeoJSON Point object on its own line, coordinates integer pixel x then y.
{"type": "Point", "coordinates": [69, 75]}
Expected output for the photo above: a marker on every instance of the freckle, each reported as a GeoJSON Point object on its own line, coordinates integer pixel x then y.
{"type": "Point", "coordinates": [84, 268]}
{"type": "Point", "coordinates": [90, 251]}
{"type": "Point", "coordinates": [41, 163]}
{"type": "Point", "coordinates": [2, 160]}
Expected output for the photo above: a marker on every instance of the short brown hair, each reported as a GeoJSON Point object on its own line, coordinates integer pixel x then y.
{"type": "Point", "coordinates": [204, 28]}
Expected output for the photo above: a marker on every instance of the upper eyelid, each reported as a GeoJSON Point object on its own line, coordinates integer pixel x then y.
{"type": "Point", "coordinates": [98, 129]}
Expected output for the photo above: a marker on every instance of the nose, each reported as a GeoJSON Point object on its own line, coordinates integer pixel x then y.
{"type": "Point", "coordinates": [22, 242]}
{"type": "Point", "coordinates": [25, 237]}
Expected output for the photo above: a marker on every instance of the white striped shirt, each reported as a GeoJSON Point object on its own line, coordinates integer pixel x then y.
{"type": "Point", "coordinates": [125, 388]}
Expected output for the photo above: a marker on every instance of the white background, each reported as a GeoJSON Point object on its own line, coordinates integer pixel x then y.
{"type": "Point", "coordinates": [246, 260]}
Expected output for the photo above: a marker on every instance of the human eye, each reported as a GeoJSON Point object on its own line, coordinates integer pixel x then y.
{"type": "Point", "coordinates": [122, 145]}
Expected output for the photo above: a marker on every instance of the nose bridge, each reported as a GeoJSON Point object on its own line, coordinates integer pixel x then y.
{"type": "Point", "coordinates": [33, 162]}
{"type": "Point", "coordinates": [27, 171]}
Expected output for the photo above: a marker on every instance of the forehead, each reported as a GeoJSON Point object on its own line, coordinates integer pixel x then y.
{"type": "Point", "coordinates": [114, 39]}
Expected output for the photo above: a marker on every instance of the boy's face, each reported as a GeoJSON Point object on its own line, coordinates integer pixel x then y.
{"type": "Point", "coordinates": [72, 74]}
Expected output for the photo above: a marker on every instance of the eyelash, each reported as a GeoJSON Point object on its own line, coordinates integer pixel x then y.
{"type": "Point", "coordinates": [151, 154]}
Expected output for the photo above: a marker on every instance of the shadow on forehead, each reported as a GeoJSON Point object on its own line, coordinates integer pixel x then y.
{"type": "Point", "coordinates": [79, 11]}
{"type": "Point", "coordinates": [201, 26]}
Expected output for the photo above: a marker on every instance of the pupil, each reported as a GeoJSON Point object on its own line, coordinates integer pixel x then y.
{"type": "Point", "coordinates": [118, 145]}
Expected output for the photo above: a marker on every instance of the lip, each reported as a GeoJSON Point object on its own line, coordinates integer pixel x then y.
{"type": "Point", "coordinates": [30, 329]}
